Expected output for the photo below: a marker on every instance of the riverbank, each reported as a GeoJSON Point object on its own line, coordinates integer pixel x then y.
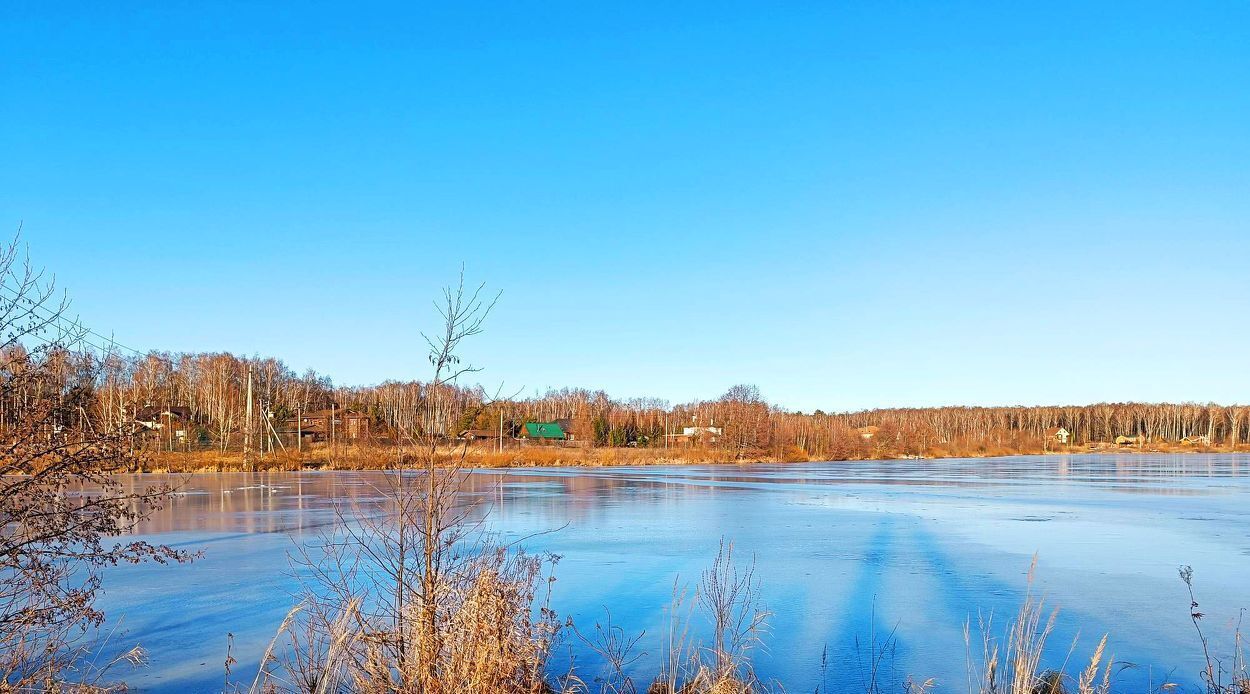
{"type": "Point", "coordinates": [476, 456]}
{"type": "Point", "coordinates": [378, 458]}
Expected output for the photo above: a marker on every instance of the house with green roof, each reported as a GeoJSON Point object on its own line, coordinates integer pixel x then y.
{"type": "Point", "coordinates": [543, 431]}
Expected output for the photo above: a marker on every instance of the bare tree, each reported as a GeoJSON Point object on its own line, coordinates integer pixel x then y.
{"type": "Point", "coordinates": [408, 594]}
{"type": "Point", "coordinates": [59, 501]}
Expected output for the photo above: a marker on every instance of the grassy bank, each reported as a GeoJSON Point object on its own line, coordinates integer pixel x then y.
{"type": "Point", "coordinates": [378, 457]}
{"type": "Point", "coordinates": [370, 458]}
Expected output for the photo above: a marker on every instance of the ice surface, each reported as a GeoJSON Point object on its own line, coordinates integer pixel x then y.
{"type": "Point", "coordinates": [843, 550]}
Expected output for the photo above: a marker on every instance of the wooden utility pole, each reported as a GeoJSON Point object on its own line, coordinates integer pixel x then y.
{"type": "Point", "coordinates": [271, 431]}
{"type": "Point", "coordinates": [299, 428]}
{"type": "Point", "coordinates": [501, 431]}
{"type": "Point", "coordinates": [247, 429]}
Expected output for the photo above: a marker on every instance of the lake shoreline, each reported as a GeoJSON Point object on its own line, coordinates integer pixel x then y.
{"type": "Point", "coordinates": [378, 458]}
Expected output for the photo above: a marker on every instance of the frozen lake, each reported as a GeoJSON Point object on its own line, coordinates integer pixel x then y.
{"type": "Point", "coordinates": [844, 549]}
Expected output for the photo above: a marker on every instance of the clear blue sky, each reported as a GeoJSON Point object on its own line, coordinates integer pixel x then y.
{"type": "Point", "coordinates": [848, 204]}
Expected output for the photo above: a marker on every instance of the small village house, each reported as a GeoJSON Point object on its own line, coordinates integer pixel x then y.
{"type": "Point", "coordinates": [321, 425]}
{"type": "Point", "coordinates": [696, 434]}
{"type": "Point", "coordinates": [701, 431]}
{"type": "Point", "coordinates": [1128, 440]}
{"type": "Point", "coordinates": [1058, 434]}
{"type": "Point", "coordinates": [868, 432]}
{"type": "Point", "coordinates": [477, 434]}
{"type": "Point", "coordinates": [162, 419]}
{"type": "Point", "coordinates": [155, 417]}
{"type": "Point", "coordinates": [543, 431]}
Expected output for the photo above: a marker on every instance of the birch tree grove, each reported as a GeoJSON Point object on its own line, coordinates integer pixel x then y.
{"type": "Point", "coordinates": [212, 387]}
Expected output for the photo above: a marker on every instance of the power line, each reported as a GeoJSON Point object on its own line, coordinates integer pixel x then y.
{"type": "Point", "coordinates": [104, 350]}
{"type": "Point", "coordinates": [61, 320]}
{"type": "Point", "coordinates": [72, 330]}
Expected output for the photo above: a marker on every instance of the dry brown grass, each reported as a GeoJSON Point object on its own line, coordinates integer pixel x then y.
{"type": "Point", "coordinates": [378, 458]}
{"type": "Point", "coordinates": [1016, 668]}
{"type": "Point", "coordinates": [365, 457]}
{"type": "Point", "coordinates": [495, 633]}
{"type": "Point", "coordinates": [553, 456]}
{"type": "Point", "coordinates": [490, 639]}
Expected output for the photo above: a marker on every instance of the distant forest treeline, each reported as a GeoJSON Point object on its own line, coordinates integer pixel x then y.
{"type": "Point", "coordinates": [212, 387]}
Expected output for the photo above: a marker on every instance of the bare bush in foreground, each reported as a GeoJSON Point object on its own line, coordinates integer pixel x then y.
{"type": "Point", "coordinates": [59, 501]}
{"type": "Point", "coordinates": [409, 595]}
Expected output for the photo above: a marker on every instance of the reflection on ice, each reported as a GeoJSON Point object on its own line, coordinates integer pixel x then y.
{"type": "Point", "coordinates": [842, 548]}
